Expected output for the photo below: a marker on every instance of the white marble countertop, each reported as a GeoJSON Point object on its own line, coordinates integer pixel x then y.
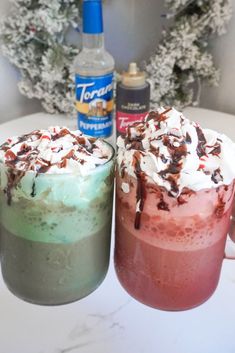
{"type": "Point", "coordinates": [109, 320]}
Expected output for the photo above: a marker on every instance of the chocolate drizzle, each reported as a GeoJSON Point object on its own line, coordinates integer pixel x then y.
{"type": "Point", "coordinates": [219, 210]}
{"type": "Point", "coordinates": [188, 138]}
{"type": "Point", "coordinates": [154, 150]}
{"type": "Point", "coordinates": [162, 205]}
{"type": "Point", "coordinates": [14, 177]}
{"type": "Point", "coordinates": [201, 147]}
{"type": "Point", "coordinates": [181, 200]}
{"type": "Point", "coordinates": [137, 145]}
{"type": "Point", "coordinates": [216, 177]}
{"type": "Point", "coordinates": [134, 143]}
{"type": "Point", "coordinates": [44, 168]}
{"type": "Point", "coordinates": [140, 191]}
{"type": "Point", "coordinates": [172, 172]}
{"type": "Point", "coordinates": [62, 133]}
{"type": "Point", "coordinates": [122, 169]}
{"type": "Point", "coordinates": [163, 158]}
{"type": "Point", "coordinates": [24, 149]}
{"type": "Point", "coordinates": [33, 193]}
{"type": "Point", "coordinates": [216, 150]}
{"type": "Point", "coordinates": [157, 117]}
{"type": "Point", "coordinates": [186, 193]}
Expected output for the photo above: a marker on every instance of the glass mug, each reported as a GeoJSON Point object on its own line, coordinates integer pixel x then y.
{"type": "Point", "coordinates": [173, 261]}
{"type": "Point", "coordinates": [232, 225]}
{"type": "Point", "coordinates": [56, 233]}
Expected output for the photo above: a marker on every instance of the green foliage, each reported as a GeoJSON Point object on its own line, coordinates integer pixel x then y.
{"type": "Point", "coordinates": [34, 38]}
{"type": "Point", "coordinates": [182, 62]}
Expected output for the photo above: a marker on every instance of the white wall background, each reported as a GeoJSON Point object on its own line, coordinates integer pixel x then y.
{"type": "Point", "coordinates": [132, 30]}
{"type": "Point", "coordinates": [222, 98]}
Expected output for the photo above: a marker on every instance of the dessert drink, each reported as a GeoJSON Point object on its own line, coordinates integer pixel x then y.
{"type": "Point", "coordinates": [56, 196]}
{"type": "Point", "coordinates": [175, 186]}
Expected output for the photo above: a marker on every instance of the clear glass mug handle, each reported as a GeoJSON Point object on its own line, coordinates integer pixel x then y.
{"type": "Point", "coordinates": [230, 242]}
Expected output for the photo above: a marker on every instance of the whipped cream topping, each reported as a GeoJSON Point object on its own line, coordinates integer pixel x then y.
{"type": "Point", "coordinates": [55, 150]}
{"type": "Point", "coordinates": [175, 153]}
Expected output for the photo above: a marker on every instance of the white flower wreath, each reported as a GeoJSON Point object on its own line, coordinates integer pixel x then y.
{"type": "Point", "coordinates": [34, 38]}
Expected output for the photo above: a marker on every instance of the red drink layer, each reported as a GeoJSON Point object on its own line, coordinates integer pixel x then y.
{"type": "Point", "coordinates": [173, 261]}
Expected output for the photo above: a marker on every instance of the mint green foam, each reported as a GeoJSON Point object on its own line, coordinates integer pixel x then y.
{"type": "Point", "coordinates": [65, 208]}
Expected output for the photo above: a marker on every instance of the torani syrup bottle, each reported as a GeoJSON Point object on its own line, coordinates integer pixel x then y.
{"type": "Point", "coordinates": [133, 97]}
{"type": "Point", "coordinates": [94, 68]}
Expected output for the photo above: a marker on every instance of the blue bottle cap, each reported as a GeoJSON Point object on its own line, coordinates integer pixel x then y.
{"type": "Point", "coordinates": [92, 17]}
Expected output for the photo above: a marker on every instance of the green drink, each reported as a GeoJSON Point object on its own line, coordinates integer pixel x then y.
{"type": "Point", "coordinates": [56, 217]}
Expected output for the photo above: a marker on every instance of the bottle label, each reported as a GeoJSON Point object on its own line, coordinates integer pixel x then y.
{"type": "Point", "coordinates": [123, 120]}
{"type": "Point", "coordinates": [94, 102]}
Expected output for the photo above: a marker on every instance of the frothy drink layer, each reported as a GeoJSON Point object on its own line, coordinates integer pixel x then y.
{"type": "Point", "coordinates": [63, 174]}
{"type": "Point", "coordinates": [174, 154]}
{"type": "Point", "coordinates": [173, 260]}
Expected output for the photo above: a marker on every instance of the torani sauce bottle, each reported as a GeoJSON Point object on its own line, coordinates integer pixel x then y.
{"type": "Point", "coordinates": [133, 97]}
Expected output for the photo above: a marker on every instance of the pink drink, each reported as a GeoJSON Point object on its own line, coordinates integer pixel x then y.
{"type": "Point", "coordinates": [173, 261]}
{"type": "Point", "coordinates": [174, 196]}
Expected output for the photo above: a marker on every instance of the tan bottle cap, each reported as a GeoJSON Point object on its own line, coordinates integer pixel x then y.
{"type": "Point", "coordinates": [133, 77]}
